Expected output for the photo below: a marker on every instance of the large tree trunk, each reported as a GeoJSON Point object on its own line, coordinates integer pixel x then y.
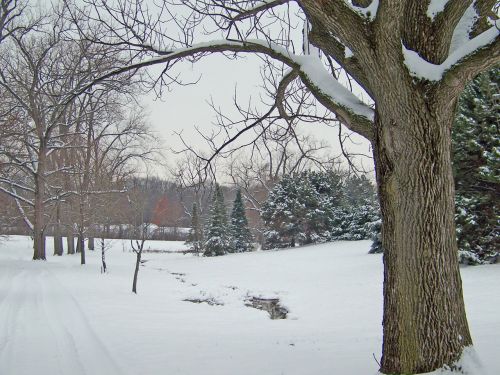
{"type": "Point", "coordinates": [424, 322]}
{"type": "Point", "coordinates": [58, 241]}
{"type": "Point", "coordinates": [38, 243]}
{"type": "Point", "coordinates": [91, 244]}
{"type": "Point", "coordinates": [80, 247]}
{"type": "Point", "coordinates": [39, 219]}
{"type": "Point", "coordinates": [70, 239]}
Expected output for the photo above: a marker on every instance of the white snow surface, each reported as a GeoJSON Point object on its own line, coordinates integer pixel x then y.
{"type": "Point", "coordinates": [422, 69]}
{"type": "Point", "coordinates": [58, 317]}
{"type": "Point", "coordinates": [435, 7]}
{"type": "Point", "coordinates": [463, 28]}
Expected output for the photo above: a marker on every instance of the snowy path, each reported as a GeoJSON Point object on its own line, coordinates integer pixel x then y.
{"type": "Point", "coordinates": [43, 327]}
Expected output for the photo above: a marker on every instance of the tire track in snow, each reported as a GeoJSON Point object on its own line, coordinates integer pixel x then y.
{"type": "Point", "coordinates": [9, 316]}
{"type": "Point", "coordinates": [75, 332]}
{"type": "Point", "coordinates": [43, 329]}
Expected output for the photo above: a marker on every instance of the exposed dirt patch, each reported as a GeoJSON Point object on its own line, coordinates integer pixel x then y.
{"type": "Point", "coordinates": [271, 305]}
{"type": "Point", "coordinates": [210, 301]}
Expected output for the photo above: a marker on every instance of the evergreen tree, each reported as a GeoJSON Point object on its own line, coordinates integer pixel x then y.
{"type": "Point", "coordinates": [241, 238]}
{"type": "Point", "coordinates": [299, 210]}
{"type": "Point", "coordinates": [376, 236]}
{"type": "Point", "coordinates": [359, 191]}
{"type": "Point", "coordinates": [355, 218]}
{"type": "Point", "coordinates": [281, 213]}
{"type": "Point", "coordinates": [217, 236]}
{"type": "Point", "coordinates": [313, 207]}
{"type": "Point", "coordinates": [195, 238]}
{"type": "Point", "coordinates": [476, 162]}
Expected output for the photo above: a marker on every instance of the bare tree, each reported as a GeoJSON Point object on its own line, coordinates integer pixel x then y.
{"type": "Point", "coordinates": [10, 14]}
{"type": "Point", "coordinates": [56, 131]}
{"type": "Point", "coordinates": [37, 73]}
{"type": "Point", "coordinates": [28, 77]}
{"type": "Point", "coordinates": [410, 61]}
{"type": "Point", "coordinates": [113, 137]}
{"type": "Point", "coordinates": [141, 223]}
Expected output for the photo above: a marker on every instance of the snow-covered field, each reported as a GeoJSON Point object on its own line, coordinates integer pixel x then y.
{"type": "Point", "coordinates": [58, 317]}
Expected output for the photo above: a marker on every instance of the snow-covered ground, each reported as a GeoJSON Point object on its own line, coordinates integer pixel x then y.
{"type": "Point", "coordinates": [58, 317]}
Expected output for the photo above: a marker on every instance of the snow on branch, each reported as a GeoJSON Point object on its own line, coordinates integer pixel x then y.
{"type": "Point", "coordinates": [328, 85]}
{"type": "Point", "coordinates": [26, 220]}
{"type": "Point", "coordinates": [435, 7]}
{"type": "Point", "coordinates": [15, 184]}
{"type": "Point", "coordinates": [16, 196]}
{"type": "Point", "coordinates": [422, 69]}
{"type": "Point", "coordinates": [370, 12]}
{"type": "Point", "coordinates": [310, 67]}
{"type": "Point", "coordinates": [464, 28]}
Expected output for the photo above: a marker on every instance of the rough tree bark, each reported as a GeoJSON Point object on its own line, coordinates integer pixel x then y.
{"type": "Point", "coordinates": [424, 319]}
{"type": "Point", "coordinates": [58, 241]}
{"type": "Point", "coordinates": [39, 208]}
{"type": "Point", "coordinates": [80, 247]}
{"type": "Point", "coordinates": [91, 243]}
{"type": "Point", "coordinates": [70, 240]}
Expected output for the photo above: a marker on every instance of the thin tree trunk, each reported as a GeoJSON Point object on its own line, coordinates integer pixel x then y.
{"type": "Point", "coordinates": [103, 256]}
{"type": "Point", "coordinates": [91, 244]}
{"type": "Point", "coordinates": [424, 322]}
{"type": "Point", "coordinates": [136, 272]}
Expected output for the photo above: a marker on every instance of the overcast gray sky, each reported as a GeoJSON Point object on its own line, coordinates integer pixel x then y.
{"type": "Point", "coordinates": [186, 106]}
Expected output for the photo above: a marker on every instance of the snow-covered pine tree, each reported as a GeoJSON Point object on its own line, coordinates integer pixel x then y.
{"type": "Point", "coordinates": [359, 211]}
{"type": "Point", "coordinates": [476, 166]}
{"type": "Point", "coordinates": [217, 236]}
{"type": "Point", "coordinates": [328, 188]}
{"type": "Point", "coordinates": [241, 238]}
{"type": "Point", "coordinates": [376, 236]}
{"type": "Point", "coordinates": [281, 214]}
{"type": "Point", "coordinates": [300, 208]}
{"type": "Point", "coordinates": [195, 238]}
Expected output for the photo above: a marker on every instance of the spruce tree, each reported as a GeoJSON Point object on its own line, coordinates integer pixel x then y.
{"type": "Point", "coordinates": [283, 213]}
{"type": "Point", "coordinates": [241, 238]}
{"type": "Point", "coordinates": [375, 229]}
{"type": "Point", "coordinates": [217, 236]}
{"type": "Point", "coordinates": [476, 167]}
{"type": "Point", "coordinates": [356, 217]}
{"type": "Point", "coordinates": [195, 238]}
{"type": "Point", "coordinates": [300, 209]}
